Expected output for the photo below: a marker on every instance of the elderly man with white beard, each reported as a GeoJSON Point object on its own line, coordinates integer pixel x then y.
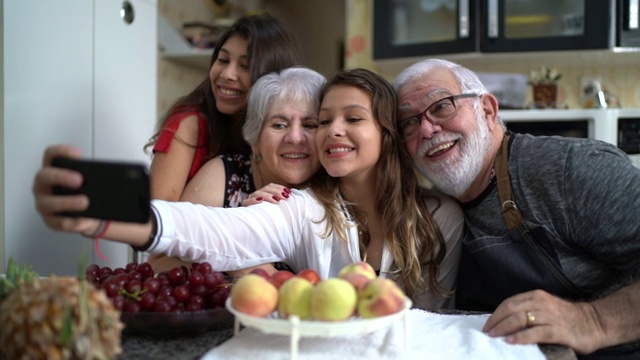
{"type": "Point", "coordinates": [553, 230]}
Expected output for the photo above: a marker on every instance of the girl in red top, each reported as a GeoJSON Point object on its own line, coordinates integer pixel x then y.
{"type": "Point", "coordinates": [209, 120]}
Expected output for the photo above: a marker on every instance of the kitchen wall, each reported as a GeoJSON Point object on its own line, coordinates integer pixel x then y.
{"type": "Point", "coordinates": [619, 72]}
{"type": "Point", "coordinates": [337, 33]}
{"type": "Point", "coordinates": [319, 26]}
{"type": "Point", "coordinates": [174, 78]}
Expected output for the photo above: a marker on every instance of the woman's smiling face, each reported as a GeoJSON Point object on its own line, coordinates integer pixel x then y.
{"type": "Point", "coordinates": [287, 143]}
{"type": "Point", "coordinates": [349, 138]}
{"type": "Point", "coordinates": [230, 76]}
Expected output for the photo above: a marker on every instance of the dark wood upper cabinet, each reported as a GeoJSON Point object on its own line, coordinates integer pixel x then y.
{"type": "Point", "coordinates": [410, 28]}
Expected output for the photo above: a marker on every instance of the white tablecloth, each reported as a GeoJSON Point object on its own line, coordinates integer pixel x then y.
{"type": "Point", "coordinates": [431, 336]}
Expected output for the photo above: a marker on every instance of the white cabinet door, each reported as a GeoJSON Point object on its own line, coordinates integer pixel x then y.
{"type": "Point", "coordinates": [125, 80]}
{"type": "Point", "coordinates": [124, 88]}
{"type": "Point", "coordinates": [74, 73]}
{"type": "Point", "coordinates": [48, 67]}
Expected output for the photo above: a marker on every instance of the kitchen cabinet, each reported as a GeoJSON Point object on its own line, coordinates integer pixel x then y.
{"type": "Point", "coordinates": [409, 28]}
{"type": "Point", "coordinates": [74, 73]}
{"type": "Point", "coordinates": [542, 25]}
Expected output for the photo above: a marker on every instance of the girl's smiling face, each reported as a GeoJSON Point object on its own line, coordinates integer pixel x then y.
{"type": "Point", "coordinates": [230, 76]}
{"type": "Point", "coordinates": [349, 138]}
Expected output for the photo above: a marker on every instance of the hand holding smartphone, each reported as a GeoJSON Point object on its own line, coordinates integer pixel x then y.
{"type": "Point", "coordinates": [117, 191]}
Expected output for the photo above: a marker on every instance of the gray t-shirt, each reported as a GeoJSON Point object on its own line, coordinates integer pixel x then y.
{"type": "Point", "coordinates": [585, 193]}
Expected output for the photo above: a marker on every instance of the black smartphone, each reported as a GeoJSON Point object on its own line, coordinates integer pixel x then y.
{"type": "Point", "coordinates": [117, 190]}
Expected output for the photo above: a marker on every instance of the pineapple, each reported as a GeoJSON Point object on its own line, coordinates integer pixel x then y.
{"type": "Point", "coordinates": [58, 318]}
{"type": "Point", "coordinates": [16, 275]}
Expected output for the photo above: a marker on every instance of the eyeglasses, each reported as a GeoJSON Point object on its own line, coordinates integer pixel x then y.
{"type": "Point", "coordinates": [437, 113]}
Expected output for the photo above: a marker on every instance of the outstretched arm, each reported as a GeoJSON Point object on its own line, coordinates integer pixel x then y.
{"type": "Point", "coordinates": [49, 205]}
{"type": "Point", "coordinates": [232, 238]}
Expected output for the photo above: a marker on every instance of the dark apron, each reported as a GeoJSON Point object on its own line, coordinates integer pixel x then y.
{"type": "Point", "coordinates": [495, 268]}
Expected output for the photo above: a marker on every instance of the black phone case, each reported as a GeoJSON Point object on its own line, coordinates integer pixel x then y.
{"type": "Point", "coordinates": [117, 191]}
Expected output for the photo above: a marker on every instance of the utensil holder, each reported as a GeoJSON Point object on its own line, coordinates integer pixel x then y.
{"type": "Point", "coordinates": [545, 95]}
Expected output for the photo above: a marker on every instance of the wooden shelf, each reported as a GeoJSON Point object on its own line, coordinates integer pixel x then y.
{"type": "Point", "coordinates": [199, 58]}
{"type": "Point", "coordinates": [174, 47]}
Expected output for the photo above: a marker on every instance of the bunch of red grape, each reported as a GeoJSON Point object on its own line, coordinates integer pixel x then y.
{"type": "Point", "coordinates": [136, 288]}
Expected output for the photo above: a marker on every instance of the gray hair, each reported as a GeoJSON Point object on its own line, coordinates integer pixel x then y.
{"type": "Point", "coordinates": [292, 84]}
{"type": "Point", "coordinates": [468, 81]}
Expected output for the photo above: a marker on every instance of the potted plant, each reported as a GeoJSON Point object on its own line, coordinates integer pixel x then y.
{"type": "Point", "coordinates": [544, 81]}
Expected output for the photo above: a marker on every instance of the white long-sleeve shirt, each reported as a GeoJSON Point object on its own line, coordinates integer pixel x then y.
{"type": "Point", "coordinates": [291, 232]}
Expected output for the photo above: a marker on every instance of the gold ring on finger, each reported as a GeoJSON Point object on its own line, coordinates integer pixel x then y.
{"type": "Point", "coordinates": [531, 318]}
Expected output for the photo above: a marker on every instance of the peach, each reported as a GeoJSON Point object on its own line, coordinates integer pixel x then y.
{"type": "Point", "coordinates": [279, 277]}
{"type": "Point", "coordinates": [358, 274]}
{"type": "Point", "coordinates": [254, 295]}
{"type": "Point", "coordinates": [262, 272]}
{"type": "Point", "coordinates": [358, 280]}
{"type": "Point", "coordinates": [295, 298]}
{"type": "Point", "coordinates": [333, 299]}
{"type": "Point", "coordinates": [361, 267]}
{"type": "Point", "coordinates": [380, 297]}
{"type": "Point", "coordinates": [310, 275]}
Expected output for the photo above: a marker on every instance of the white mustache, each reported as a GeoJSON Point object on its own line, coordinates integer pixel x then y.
{"type": "Point", "coordinates": [438, 139]}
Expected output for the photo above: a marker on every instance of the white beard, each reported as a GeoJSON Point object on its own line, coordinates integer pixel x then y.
{"type": "Point", "coordinates": [454, 176]}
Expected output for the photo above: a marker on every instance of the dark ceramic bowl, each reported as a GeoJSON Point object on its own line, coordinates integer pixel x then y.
{"type": "Point", "coordinates": [177, 322]}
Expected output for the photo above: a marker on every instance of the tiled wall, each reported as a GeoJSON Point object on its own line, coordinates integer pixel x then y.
{"type": "Point", "coordinates": [619, 72]}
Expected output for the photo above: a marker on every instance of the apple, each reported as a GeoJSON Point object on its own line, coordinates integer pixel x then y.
{"type": "Point", "coordinates": [380, 297]}
{"type": "Point", "coordinates": [254, 295]}
{"type": "Point", "coordinates": [279, 277]}
{"type": "Point", "coordinates": [294, 298]}
{"type": "Point", "coordinates": [358, 274]}
{"type": "Point", "coordinates": [310, 275]}
{"type": "Point", "coordinates": [333, 299]}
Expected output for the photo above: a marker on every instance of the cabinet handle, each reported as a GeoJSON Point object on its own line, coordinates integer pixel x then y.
{"type": "Point", "coordinates": [127, 13]}
{"type": "Point", "coordinates": [492, 19]}
{"type": "Point", "coordinates": [463, 19]}
{"type": "Point", "coordinates": [633, 15]}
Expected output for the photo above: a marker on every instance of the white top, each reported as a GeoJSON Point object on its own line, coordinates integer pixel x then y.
{"type": "Point", "coordinates": [290, 232]}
